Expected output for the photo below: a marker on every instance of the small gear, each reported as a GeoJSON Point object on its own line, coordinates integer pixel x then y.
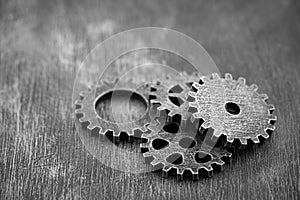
{"type": "Point", "coordinates": [86, 108]}
{"type": "Point", "coordinates": [172, 94]}
{"type": "Point", "coordinates": [232, 108]}
{"type": "Point", "coordinates": [181, 149]}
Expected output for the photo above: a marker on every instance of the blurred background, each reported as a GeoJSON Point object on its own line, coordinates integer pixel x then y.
{"type": "Point", "coordinates": [42, 44]}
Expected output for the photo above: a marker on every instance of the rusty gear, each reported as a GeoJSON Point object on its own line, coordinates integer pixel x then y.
{"type": "Point", "coordinates": [232, 108]}
{"type": "Point", "coordinates": [87, 113]}
{"type": "Point", "coordinates": [181, 151]}
{"type": "Point", "coordinates": [172, 94]}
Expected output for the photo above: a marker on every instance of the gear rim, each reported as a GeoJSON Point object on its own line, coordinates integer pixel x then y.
{"type": "Point", "coordinates": [219, 156]}
{"type": "Point", "coordinates": [86, 106]}
{"type": "Point", "coordinates": [211, 114]}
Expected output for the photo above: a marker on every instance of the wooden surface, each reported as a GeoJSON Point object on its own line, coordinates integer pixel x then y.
{"type": "Point", "coordinates": [42, 44]}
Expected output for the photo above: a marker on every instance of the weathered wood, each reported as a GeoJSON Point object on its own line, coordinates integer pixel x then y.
{"type": "Point", "coordinates": [42, 43]}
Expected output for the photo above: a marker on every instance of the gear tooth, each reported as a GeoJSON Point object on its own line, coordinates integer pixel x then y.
{"type": "Point", "coordinates": [273, 117]}
{"type": "Point", "coordinates": [147, 154]}
{"type": "Point", "coordinates": [265, 135]}
{"type": "Point", "coordinates": [144, 136]}
{"type": "Point", "coordinates": [195, 174]}
{"type": "Point", "coordinates": [101, 131]}
{"type": "Point", "coordinates": [255, 140]}
{"type": "Point", "coordinates": [196, 85]}
{"type": "Point", "coordinates": [217, 133]}
{"type": "Point", "coordinates": [193, 104]}
{"type": "Point", "coordinates": [219, 165]}
{"type": "Point", "coordinates": [78, 102]}
{"type": "Point", "coordinates": [205, 124]}
{"type": "Point", "coordinates": [271, 107]}
{"type": "Point", "coordinates": [215, 76]}
{"type": "Point", "coordinates": [116, 133]}
{"type": "Point", "coordinates": [192, 94]}
{"type": "Point", "coordinates": [129, 132]}
{"type": "Point", "coordinates": [86, 92]}
{"type": "Point", "coordinates": [143, 145]}
{"type": "Point", "coordinates": [230, 139]}
{"type": "Point", "coordinates": [91, 126]}
{"type": "Point", "coordinates": [243, 141]}
{"type": "Point", "coordinates": [271, 127]}
{"type": "Point", "coordinates": [253, 87]}
{"type": "Point", "coordinates": [226, 157]}
{"type": "Point", "coordinates": [241, 80]}
{"type": "Point", "coordinates": [228, 76]}
{"type": "Point", "coordinates": [79, 111]}
{"type": "Point", "coordinates": [154, 101]}
{"type": "Point", "coordinates": [220, 162]}
{"type": "Point", "coordinates": [203, 79]}
{"type": "Point", "coordinates": [166, 168]}
{"type": "Point", "coordinates": [83, 119]}
{"type": "Point", "coordinates": [155, 162]}
{"type": "Point", "coordinates": [179, 174]}
{"type": "Point", "coordinates": [264, 97]}
{"type": "Point", "coordinates": [180, 171]}
{"type": "Point", "coordinates": [194, 171]}
{"type": "Point", "coordinates": [209, 171]}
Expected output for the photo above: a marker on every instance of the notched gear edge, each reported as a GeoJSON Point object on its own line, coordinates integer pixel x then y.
{"type": "Point", "coordinates": [162, 93]}
{"type": "Point", "coordinates": [86, 113]}
{"type": "Point", "coordinates": [219, 156]}
{"type": "Point", "coordinates": [231, 85]}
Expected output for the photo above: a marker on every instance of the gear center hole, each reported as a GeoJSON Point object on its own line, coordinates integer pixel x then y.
{"type": "Point", "coordinates": [232, 108]}
{"type": "Point", "coordinates": [121, 106]}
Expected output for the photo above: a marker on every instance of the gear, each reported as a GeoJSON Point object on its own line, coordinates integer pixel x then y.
{"type": "Point", "coordinates": [232, 108]}
{"type": "Point", "coordinates": [172, 94]}
{"type": "Point", "coordinates": [182, 150]}
{"type": "Point", "coordinates": [87, 113]}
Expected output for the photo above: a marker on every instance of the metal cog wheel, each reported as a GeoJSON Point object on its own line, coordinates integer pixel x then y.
{"type": "Point", "coordinates": [172, 94]}
{"type": "Point", "coordinates": [182, 151]}
{"type": "Point", "coordinates": [86, 108]}
{"type": "Point", "coordinates": [232, 108]}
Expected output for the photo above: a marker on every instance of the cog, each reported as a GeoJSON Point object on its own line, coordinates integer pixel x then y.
{"type": "Point", "coordinates": [181, 151]}
{"type": "Point", "coordinates": [232, 108]}
{"type": "Point", "coordinates": [172, 94]}
{"type": "Point", "coordinates": [86, 108]}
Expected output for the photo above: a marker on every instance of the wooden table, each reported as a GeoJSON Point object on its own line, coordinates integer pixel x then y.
{"type": "Point", "coordinates": [42, 44]}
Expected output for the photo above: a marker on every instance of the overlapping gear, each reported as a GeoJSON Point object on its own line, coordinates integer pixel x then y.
{"type": "Point", "coordinates": [228, 107]}
{"type": "Point", "coordinates": [232, 108]}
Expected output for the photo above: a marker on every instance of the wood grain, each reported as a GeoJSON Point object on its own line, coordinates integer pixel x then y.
{"type": "Point", "coordinates": [43, 42]}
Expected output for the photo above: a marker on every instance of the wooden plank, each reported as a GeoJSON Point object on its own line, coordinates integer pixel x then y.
{"type": "Point", "coordinates": [42, 157]}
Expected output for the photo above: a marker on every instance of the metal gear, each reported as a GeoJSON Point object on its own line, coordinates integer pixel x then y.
{"type": "Point", "coordinates": [172, 94]}
{"type": "Point", "coordinates": [232, 108]}
{"type": "Point", "coordinates": [165, 148]}
{"type": "Point", "coordinates": [86, 108]}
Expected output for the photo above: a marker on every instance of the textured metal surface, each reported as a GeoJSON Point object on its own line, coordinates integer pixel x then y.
{"type": "Point", "coordinates": [176, 147]}
{"type": "Point", "coordinates": [176, 87]}
{"type": "Point", "coordinates": [254, 117]}
{"type": "Point", "coordinates": [86, 108]}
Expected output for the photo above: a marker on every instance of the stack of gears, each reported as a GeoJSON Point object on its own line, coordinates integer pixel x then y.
{"type": "Point", "coordinates": [191, 124]}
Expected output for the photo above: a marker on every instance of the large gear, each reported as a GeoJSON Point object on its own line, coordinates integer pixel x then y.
{"type": "Point", "coordinates": [172, 94]}
{"type": "Point", "coordinates": [232, 108]}
{"type": "Point", "coordinates": [86, 108]}
{"type": "Point", "coordinates": [166, 148]}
